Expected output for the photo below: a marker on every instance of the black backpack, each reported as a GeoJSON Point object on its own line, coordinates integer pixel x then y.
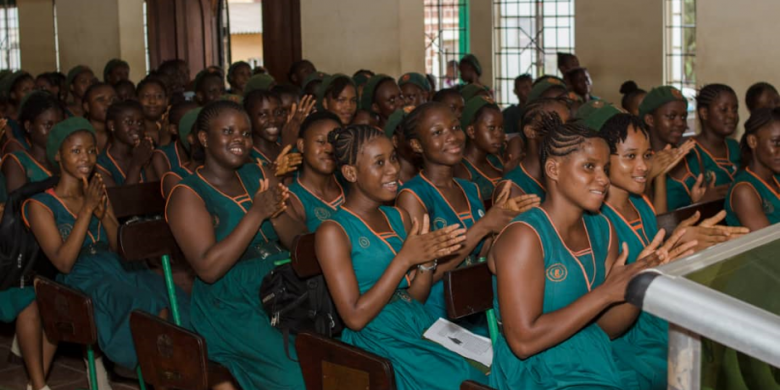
{"type": "Point", "coordinates": [294, 305]}
{"type": "Point", "coordinates": [20, 255]}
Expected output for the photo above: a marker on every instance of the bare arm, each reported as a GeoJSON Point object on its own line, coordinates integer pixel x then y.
{"type": "Point", "coordinates": [14, 173]}
{"type": "Point", "coordinates": [160, 163]}
{"type": "Point", "coordinates": [747, 205]}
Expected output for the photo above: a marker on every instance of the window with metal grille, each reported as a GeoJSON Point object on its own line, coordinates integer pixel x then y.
{"type": "Point", "coordinates": [528, 36]}
{"type": "Point", "coordinates": [446, 39]}
{"type": "Point", "coordinates": [680, 48]}
{"type": "Point", "coordinates": [10, 56]}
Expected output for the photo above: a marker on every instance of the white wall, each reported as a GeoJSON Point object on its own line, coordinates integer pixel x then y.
{"type": "Point", "coordinates": [36, 36]}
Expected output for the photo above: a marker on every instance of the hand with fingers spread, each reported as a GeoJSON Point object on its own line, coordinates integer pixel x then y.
{"type": "Point", "coordinates": [94, 196]}
{"type": "Point", "coordinates": [423, 246]}
{"type": "Point", "coordinates": [668, 158]}
{"type": "Point", "coordinates": [271, 202]}
{"type": "Point", "coordinates": [298, 112]}
{"type": "Point", "coordinates": [286, 162]}
{"type": "Point", "coordinates": [708, 232]}
{"type": "Point", "coordinates": [505, 209]}
{"type": "Point", "coordinates": [620, 274]}
{"type": "Point", "coordinates": [142, 152]}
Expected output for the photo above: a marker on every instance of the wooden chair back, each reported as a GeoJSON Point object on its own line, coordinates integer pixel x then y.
{"type": "Point", "coordinates": [140, 240]}
{"type": "Point", "coordinates": [304, 257]}
{"type": "Point", "coordinates": [67, 314]}
{"type": "Point", "coordinates": [468, 290]}
{"type": "Point", "coordinates": [136, 200]}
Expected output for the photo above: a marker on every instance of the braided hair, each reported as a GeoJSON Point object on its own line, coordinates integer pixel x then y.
{"type": "Point", "coordinates": [534, 111]}
{"type": "Point", "coordinates": [754, 93]}
{"type": "Point", "coordinates": [409, 126]}
{"type": "Point", "coordinates": [710, 92]}
{"type": "Point", "coordinates": [348, 141]}
{"type": "Point", "coordinates": [337, 86]}
{"type": "Point", "coordinates": [562, 139]}
{"type": "Point", "coordinates": [760, 118]}
{"type": "Point", "coordinates": [615, 130]}
{"type": "Point", "coordinates": [213, 110]}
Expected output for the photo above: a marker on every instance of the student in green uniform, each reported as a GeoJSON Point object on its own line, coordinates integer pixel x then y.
{"type": "Point", "coordinates": [382, 97]}
{"type": "Point", "coordinates": [715, 153]}
{"type": "Point", "coordinates": [409, 160]}
{"type": "Point", "coordinates": [452, 99]}
{"type": "Point", "coordinates": [316, 194]}
{"type": "Point", "coordinates": [581, 84]}
{"type": "Point", "coordinates": [415, 88]}
{"type": "Point", "coordinates": [125, 90]}
{"type": "Point", "coordinates": [289, 95]}
{"type": "Point", "coordinates": [229, 219]}
{"type": "Point", "coordinates": [512, 114]}
{"type": "Point", "coordinates": [128, 159]}
{"type": "Point", "coordinates": [338, 95]}
{"type": "Point", "coordinates": [77, 231]}
{"type": "Point", "coordinates": [16, 86]}
{"type": "Point", "coordinates": [97, 99]}
{"type": "Point", "coordinates": [434, 133]}
{"type": "Point", "coordinates": [360, 78]}
{"type": "Point", "coordinates": [484, 126]}
{"type": "Point", "coordinates": [238, 75]}
{"type": "Point", "coordinates": [39, 113]}
{"type": "Point", "coordinates": [379, 264]}
{"type": "Point", "coordinates": [115, 71]}
{"type": "Point", "coordinates": [53, 82]}
{"type": "Point", "coordinates": [312, 82]}
{"type": "Point", "coordinates": [760, 95]}
{"type": "Point", "coordinates": [267, 118]}
{"type": "Point", "coordinates": [632, 97]}
{"type": "Point", "coordinates": [470, 70]}
{"type": "Point", "coordinates": [174, 154]}
{"type": "Point", "coordinates": [298, 72]}
{"type": "Point", "coordinates": [192, 148]}
{"type": "Point", "coordinates": [79, 78]}
{"type": "Point", "coordinates": [547, 87]}
{"type": "Point", "coordinates": [208, 87]}
{"type": "Point", "coordinates": [154, 100]}
{"type": "Point", "coordinates": [261, 81]}
{"type": "Point", "coordinates": [560, 282]}
{"type": "Point", "coordinates": [753, 200]}
{"type": "Point", "coordinates": [365, 117]}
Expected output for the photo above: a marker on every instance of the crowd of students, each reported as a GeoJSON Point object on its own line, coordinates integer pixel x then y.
{"type": "Point", "coordinates": [401, 183]}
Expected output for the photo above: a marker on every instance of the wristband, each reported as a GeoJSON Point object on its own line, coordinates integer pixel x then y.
{"type": "Point", "coordinates": [423, 268]}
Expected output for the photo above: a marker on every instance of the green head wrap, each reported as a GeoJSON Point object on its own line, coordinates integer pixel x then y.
{"type": "Point", "coordinates": [326, 82]}
{"type": "Point", "coordinates": [470, 109]}
{"type": "Point", "coordinates": [361, 79]}
{"type": "Point", "coordinates": [367, 99]}
{"type": "Point", "coordinates": [186, 123]}
{"type": "Point", "coordinates": [659, 96]}
{"type": "Point", "coordinates": [8, 81]}
{"type": "Point", "coordinates": [74, 72]}
{"type": "Point", "coordinates": [63, 130]}
{"type": "Point", "coordinates": [111, 65]}
{"type": "Point", "coordinates": [469, 91]}
{"type": "Point", "coordinates": [588, 108]}
{"type": "Point", "coordinates": [472, 59]}
{"type": "Point", "coordinates": [543, 85]}
{"type": "Point", "coordinates": [395, 119]}
{"type": "Point", "coordinates": [259, 81]}
{"type": "Point", "coordinates": [416, 79]}
{"type": "Point", "coordinates": [313, 76]}
{"type": "Point", "coordinates": [596, 119]}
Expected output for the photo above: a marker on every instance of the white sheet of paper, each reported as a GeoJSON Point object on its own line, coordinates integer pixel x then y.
{"type": "Point", "coordinates": [461, 341]}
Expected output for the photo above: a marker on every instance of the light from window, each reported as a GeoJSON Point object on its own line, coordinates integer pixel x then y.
{"type": "Point", "coordinates": [446, 39]}
{"type": "Point", "coordinates": [10, 56]}
{"type": "Point", "coordinates": [680, 47]}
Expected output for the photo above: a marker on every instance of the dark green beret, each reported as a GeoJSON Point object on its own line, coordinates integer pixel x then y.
{"type": "Point", "coordinates": [326, 82]}
{"type": "Point", "coordinates": [395, 120]}
{"type": "Point", "coordinates": [313, 76]}
{"type": "Point", "coordinates": [186, 123]}
{"type": "Point", "coordinates": [472, 59]}
{"type": "Point", "coordinates": [360, 79]}
{"type": "Point", "coordinates": [542, 86]}
{"type": "Point", "coordinates": [367, 99]}
{"type": "Point", "coordinates": [111, 65]}
{"type": "Point", "coordinates": [469, 91]}
{"type": "Point", "coordinates": [63, 130]}
{"type": "Point", "coordinates": [659, 96]}
{"type": "Point", "coordinates": [470, 109]}
{"type": "Point", "coordinates": [603, 112]}
{"type": "Point", "coordinates": [416, 79]}
{"type": "Point", "coordinates": [74, 72]}
{"type": "Point", "coordinates": [259, 81]}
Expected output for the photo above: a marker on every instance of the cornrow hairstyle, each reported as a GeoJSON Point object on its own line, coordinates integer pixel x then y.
{"type": "Point", "coordinates": [482, 110]}
{"type": "Point", "coordinates": [338, 85]}
{"type": "Point", "coordinates": [409, 126]}
{"type": "Point", "coordinates": [629, 89]}
{"type": "Point", "coordinates": [297, 65]}
{"type": "Point", "coordinates": [444, 94]}
{"type": "Point", "coordinates": [316, 117]}
{"type": "Point", "coordinates": [37, 103]}
{"type": "Point", "coordinates": [212, 110]}
{"type": "Point", "coordinates": [94, 87]}
{"type": "Point", "coordinates": [348, 141]}
{"type": "Point", "coordinates": [760, 118]}
{"type": "Point", "coordinates": [615, 130]}
{"type": "Point", "coordinates": [118, 108]}
{"type": "Point", "coordinates": [151, 80]}
{"type": "Point", "coordinates": [562, 139]}
{"type": "Point", "coordinates": [535, 110]}
{"type": "Point", "coordinates": [755, 91]}
{"type": "Point", "coordinates": [259, 96]}
{"type": "Point", "coordinates": [709, 93]}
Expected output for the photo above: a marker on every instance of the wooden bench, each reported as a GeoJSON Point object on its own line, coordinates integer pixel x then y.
{"type": "Point", "coordinates": [669, 221]}
{"type": "Point", "coordinates": [468, 291]}
{"type": "Point", "coordinates": [471, 385]}
{"type": "Point", "coordinates": [173, 357]}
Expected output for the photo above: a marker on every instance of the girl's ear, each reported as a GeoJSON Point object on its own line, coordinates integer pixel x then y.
{"type": "Point", "coordinates": [299, 145]}
{"type": "Point", "coordinates": [649, 121]}
{"type": "Point", "coordinates": [202, 136]}
{"type": "Point", "coordinates": [470, 131]}
{"type": "Point", "coordinates": [416, 146]}
{"type": "Point", "coordinates": [752, 141]}
{"type": "Point", "coordinates": [551, 168]}
{"type": "Point", "coordinates": [703, 113]}
{"type": "Point", "coordinates": [350, 173]}
{"type": "Point", "coordinates": [325, 103]}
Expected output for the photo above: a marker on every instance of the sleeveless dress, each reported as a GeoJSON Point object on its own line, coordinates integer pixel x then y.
{"type": "Point", "coordinates": [396, 332]}
{"type": "Point", "coordinates": [678, 191]}
{"type": "Point", "coordinates": [228, 313]}
{"type": "Point", "coordinates": [442, 214]}
{"type": "Point", "coordinates": [770, 200]}
{"type": "Point", "coordinates": [485, 183]}
{"type": "Point", "coordinates": [527, 183]}
{"type": "Point", "coordinates": [317, 209]}
{"type": "Point", "coordinates": [585, 359]}
{"type": "Point", "coordinates": [255, 155]}
{"type": "Point", "coordinates": [107, 164]}
{"type": "Point", "coordinates": [33, 170]}
{"type": "Point", "coordinates": [115, 286]}
{"type": "Point", "coordinates": [171, 154]}
{"type": "Point", "coordinates": [641, 353]}
{"type": "Point", "coordinates": [724, 167]}
{"type": "Point", "coordinates": [18, 133]}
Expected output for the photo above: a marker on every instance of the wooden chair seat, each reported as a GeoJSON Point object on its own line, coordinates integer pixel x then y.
{"type": "Point", "coordinates": [669, 221]}
{"type": "Point", "coordinates": [468, 290]}
{"type": "Point", "coordinates": [471, 385]}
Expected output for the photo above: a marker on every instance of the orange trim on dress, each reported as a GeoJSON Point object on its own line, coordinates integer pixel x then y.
{"type": "Point", "coordinates": [747, 169]}
{"type": "Point", "coordinates": [24, 204]}
{"type": "Point", "coordinates": [458, 214]}
{"type": "Point", "coordinates": [51, 192]}
{"type": "Point", "coordinates": [373, 231]}
{"type": "Point", "coordinates": [588, 281]}
{"type": "Point", "coordinates": [493, 180]}
{"type": "Point", "coordinates": [629, 224]}
{"type": "Point", "coordinates": [331, 203]}
{"type": "Point", "coordinates": [522, 167]}
{"type": "Point", "coordinates": [167, 201]}
{"type": "Point", "coordinates": [715, 159]}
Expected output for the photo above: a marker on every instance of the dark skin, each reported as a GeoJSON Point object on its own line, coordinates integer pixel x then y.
{"type": "Point", "coordinates": [344, 105]}
{"type": "Point", "coordinates": [374, 182]}
{"type": "Point", "coordinates": [413, 95]}
{"type": "Point", "coordinates": [267, 118]}
{"type": "Point", "coordinates": [768, 98]}
{"type": "Point", "coordinates": [37, 132]}
{"type": "Point", "coordinates": [581, 84]}
{"type": "Point", "coordinates": [42, 84]}
{"type": "Point", "coordinates": [455, 103]}
{"type": "Point", "coordinates": [125, 92]}
{"type": "Point", "coordinates": [78, 88]}
{"type": "Point", "coordinates": [522, 89]}
{"type": "Point", "coordinates": [161, 164]}
{"type": "Point", "coordinates": [95, 108]}
{"type": "Point", "coordinates": [131, 149]}
{"type": "Point", "coordinates": [363, 117]}
{"type": "Point", "coordinates": [764, 163]}
{"type": "Point", "coordinates": [227, 144]}
{"type": "Point", "coordinates": [718, 122]}
{"type": "Point", "coordinates": [154, 101]}
{"type": "Point", "coordinates": [302, 72]}
{"type": "Point", "coordinates": [118, 74]}
{"type": "Point", "coordinates": [23, 86]}
{"type": "Point", "coordinates": [407, 158]}
{"type": "Point", "coordinates": [169, 179]}
{"type": "Point", "coordinates": [485, 136]}
{"type": "Point", "coordinates": [633, 104]}
{"type": "Point", "coordinates": [387, 99]}
{"type": "Point", "coordinates": [468, 73]}
{"type": "Point", "coordinates": [239, 77]}
{"type": "Point", "coordinates": [209, 90]}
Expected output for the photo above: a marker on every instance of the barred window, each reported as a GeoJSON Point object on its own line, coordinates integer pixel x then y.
{"type": "Point", "coordinates": [446, 39]}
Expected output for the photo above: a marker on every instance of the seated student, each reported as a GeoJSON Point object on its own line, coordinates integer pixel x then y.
{"type": "Point", "coordinates": [229, 219]}
{"type": "Point", "coordinates": [433, 132]}
{"type": "Point", "coordinates": [452, 99]}
{"type": "Point", "coordinates": [77, 230]}
{"type": "Point", "coordinates": [262, 81]}
{"type": "Point", "coordinates": [470, 70]}
{"type": "Point", "coordinates": [175, 74]}
{"type": "Point", "coordinates": [415, 88]}
{"type": "Point", "coordinates": [208, 87]}
{"type": "Point", "coordinates": [581, 84]}
{"type": "Point", "coordinates": [267, 118]}
{"type": "Point", "coordinates": [632, 97]}
{"type": "Point", "coordinates": [753, 200]}
{"type": "Point", "coordinates": [298, 72]}
{"type": "Point", "coordinates": [79, 79]}
{"type": "Point", "coordinates": [338, 95]}
{"type": "Point", "coordinates": [312, 83]}
{"type": "Point", "coordinates": [174, 154]}
{"type": "Point", "coordinates": [115, 71]}
{"type": "Point", "coordinates": [289, 95]}
{"type": "Point", "coordinates": [633, 217]}
{"type": "Point", "coordinates": [14, 87]}
{"type": "Point", "coordinates": [484, 126]}
{"type": "Point", "coordinates": [567, 62]}
{"type": "Point", "coordinates": [548, 87]}
{"type": "Point", "coordinates": [360, 78]}
{"type": "Point", "coordinates": [238, 75]}
{"type": "Point", "coordinates": [191, 147]}
{"type": "Point", "coordinates": [365, 117]}
{"type": "Point", "coordinates": [560, 282]}
{"type": "Point", "coordinates": [761, 95]}
{"type": "Point", "coordinates": [512, 114]}
{"type": "Point", "coordinates": [408, 160]}
{"type": "Point", "coordinates": [53, 82]}
{"type": "Point", "coordinates": [379, 265]}
{"type": "Point", "coordinates": [154, 101]}
{"type": "Point", "coordinates": [39, 113]}
{"type": "Point", "coordinates": [381, 96]}
{"type": "Point", "coordinates": [128, 159]}
{"type": "Point", "coordinates": [316, 194]}
{"type": "Point", "coordinates": [125, 90]}
{"type": "Point", "coordinates": [97, 99]}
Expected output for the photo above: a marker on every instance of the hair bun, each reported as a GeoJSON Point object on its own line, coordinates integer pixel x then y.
{"type": "Point", "coordinates": [628, 87]}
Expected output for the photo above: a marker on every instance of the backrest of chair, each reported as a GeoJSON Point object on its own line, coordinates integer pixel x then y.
{"type": "Point", "coordinates": [136, 199]}
{"type": "Point", "coordinates": [670, 220]}
{"type": "Point", "coordinates": [468, 290]}
{"type": "Point", "coordinates": [471, 385]}
{"type": "Point", "coordinates": [141, 240]}
{"type": "Point", "coordinates": [169, 356]}
{"type": "Point", "coordinates": [304, 257]}
{"type": "Point", "coordinates": [328, 364]}
{"type": "Point", "coordinates": [67, 314]}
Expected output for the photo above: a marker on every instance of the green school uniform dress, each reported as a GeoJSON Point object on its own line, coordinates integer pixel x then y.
{"type": "Point", "coordinates": [115, 286]}
{"type": "Point", "coordinates": [442, 214]}
{"type": "Point", "coordinates": [256, 155]}
{"type": "Point", "coordinates": [33, 170]}
{"type": "Point", "coordinates": [724, 168]}
{"type": "Point", "coordinates": [641, 353]}
{"type": "Point", "coordinates": [13, 301]}
{"type": "Point", "coordinates": [107, 164]}
{"type": "Point", "coordinates": [317, 209]}
{"type": "Point", "coordinates": [228, 313]}
{"type": "Point", "coordinates": [770, 199]}
{"type": "Point", "coordinates": [585, 359]}
{"type": "Point", "coordinates": [18, 133]}
{"type": "Point", "coordinates": [678, 191]}
{"type": "Point", "coordinates": [485, 183]}
{"type": "Point", "coordinates": [171, 154]}
{"type": "Point", "coordinates": [396, 332]}
{"type": "Point", "coordinates": [527, 183]}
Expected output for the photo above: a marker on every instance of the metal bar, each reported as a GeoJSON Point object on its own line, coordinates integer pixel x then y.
{"type": "Point", "coordinates": [141, 383]}
{"type": "Point", "coordinates": [684, 359]}
{"type": "Point", "coordinates": [171, 287]}
{"type": "Point", "coordinates": [92, 370]}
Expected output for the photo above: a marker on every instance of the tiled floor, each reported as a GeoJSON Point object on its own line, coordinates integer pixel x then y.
{"type": "Point", "coordinates": [68, 372]}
